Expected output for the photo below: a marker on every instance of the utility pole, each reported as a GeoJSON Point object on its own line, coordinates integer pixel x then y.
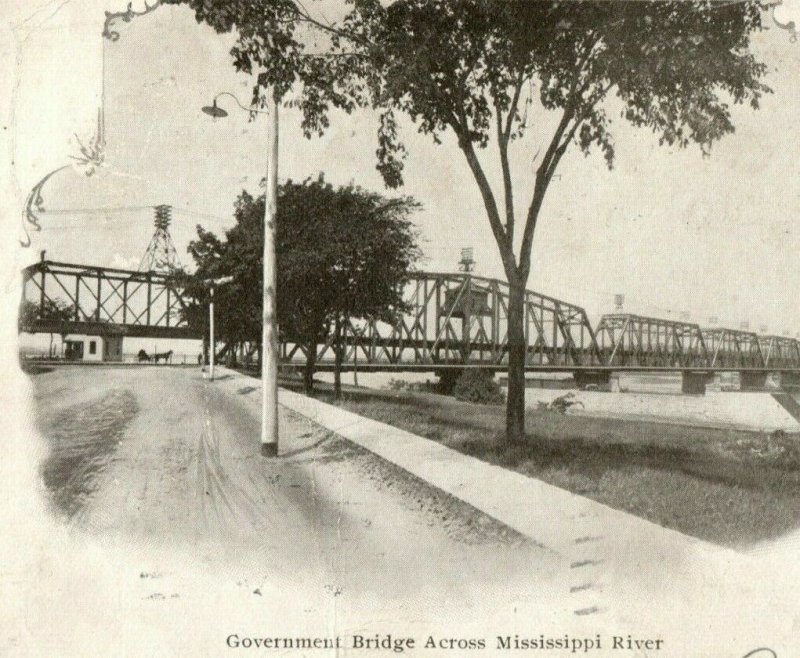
{"type": "Point", "coordinates": [211, 339]}
{"type": "Point", "coordinates": [269, 333]}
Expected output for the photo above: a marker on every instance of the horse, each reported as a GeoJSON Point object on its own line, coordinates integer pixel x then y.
{"type": "Point", "coordinates": [167, 356]}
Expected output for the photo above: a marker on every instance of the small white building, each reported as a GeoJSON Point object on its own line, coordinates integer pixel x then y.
{"type": "Point", "coordinates": [93, 348]}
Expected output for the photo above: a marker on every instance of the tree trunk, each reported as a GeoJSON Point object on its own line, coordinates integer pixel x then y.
{"type": "Point", "coordinates": [515, 404]}
{"type": "Point", "coordinates": [337, 361]}
{"type": "Point", "coordinates": [308, 371]}
{"type": "Point", "coordinates": [50, 349]}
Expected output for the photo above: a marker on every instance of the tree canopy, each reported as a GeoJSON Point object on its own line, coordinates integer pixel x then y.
{"type": "Point", "coordinates": [489, 70]}
{"type": "Point", "coordinates": [54, 310]}
{"type": "Point", "coordinates": [342, 252]}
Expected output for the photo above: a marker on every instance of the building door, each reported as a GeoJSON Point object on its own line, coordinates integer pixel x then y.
{"type": "Point", "coordinates": [74, 350]}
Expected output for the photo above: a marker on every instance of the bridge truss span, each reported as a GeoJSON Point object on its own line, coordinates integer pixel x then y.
{"type": "Point", "coordinates": [634, 340]}
{"type": "Point", "coordinates": [780, 352]}
{"type": "Point", "coordinates": [463, 319]}
{"type": "Point", "coordinates": [103, 300]}
{"type": "Point", "coordinates": [733, 348]}
{"type": "Point", "coordinates": [448, 320]}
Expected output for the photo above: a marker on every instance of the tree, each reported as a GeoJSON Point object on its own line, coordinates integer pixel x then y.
{"type": "Point", "coordinates": [343, 253]}
{"type": "Point", "coordinates": [487, 70]}
{"type": "Point", "coordinates": [53, 310]}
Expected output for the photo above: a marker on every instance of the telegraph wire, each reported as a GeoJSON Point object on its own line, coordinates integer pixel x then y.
{"type": "Point", "coordinates": [108, 211]}
{"type": "Point", "coordinates": [99, 211]}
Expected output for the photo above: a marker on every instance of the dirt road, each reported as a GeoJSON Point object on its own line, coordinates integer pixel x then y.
{"type": "Point", "coordinates": [174, 535]}
{"type": "Point", "coordinates": [165, 466]}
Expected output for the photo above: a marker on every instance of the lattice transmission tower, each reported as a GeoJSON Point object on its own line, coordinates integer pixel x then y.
{"type": "Point", "coordinates": [161, 254]}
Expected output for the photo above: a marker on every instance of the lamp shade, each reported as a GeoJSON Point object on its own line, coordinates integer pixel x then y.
{"type": "Point", "coordinates": [214, 111]}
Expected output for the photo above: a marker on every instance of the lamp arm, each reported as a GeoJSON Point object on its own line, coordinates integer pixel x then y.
{"type": "Point", "coordinates": [238, 102]}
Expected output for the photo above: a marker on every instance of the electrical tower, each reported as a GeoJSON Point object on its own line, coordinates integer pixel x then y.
{"type": "Point", "coordinates": [161, 253]}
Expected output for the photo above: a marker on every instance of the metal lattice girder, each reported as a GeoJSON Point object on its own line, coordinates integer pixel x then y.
{"type": "Point", "coordinates": [451, 319]}
{"type": "Point", "coordinates": [105, 300]}
{"type": "Point", "coordinates": [626, 339]}
{"type": "Point", "coordinates": [780, 352]}
{"type": "Point", "coordinates": [461, 318]}
{"type": "Point", "coordinates": [733, 348]}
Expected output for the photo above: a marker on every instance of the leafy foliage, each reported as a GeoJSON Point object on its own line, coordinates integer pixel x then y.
{"type": "Point", "coordinates": [54, 310]}
{"type": "Point", "coordinates": [478, 386]}
{"type": "Point", "coordinates": [341, 252]}
{"type": "Point", "coordinates": [481, 68]}
{"type": "Point", "coordinates": [278, 44]}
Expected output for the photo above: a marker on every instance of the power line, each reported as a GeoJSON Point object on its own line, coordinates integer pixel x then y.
{"type": "Point", "coordinates": [194, 213]}
{"type": "Point", "coordinates": [89, 211]}
{"type": "Point", "coordinates": [128, 209]}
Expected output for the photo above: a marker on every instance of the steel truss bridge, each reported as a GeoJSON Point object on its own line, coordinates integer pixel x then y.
{"type": "Point", "coordinates": [102, 301]}
{"type": "Point", "coordinates": [453, 320]}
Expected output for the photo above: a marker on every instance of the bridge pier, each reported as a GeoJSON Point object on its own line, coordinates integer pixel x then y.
{"type": "Point", "coordinates": [754, 381]}
{"type": "Point", "coordinates": [725, 381]}
{"type": "Point", "coordinates": [782, 381]}
{"type": "Point", "coordinates": [694, 383]}
{"type": "Point", "coordinates": [597, 378]}
{"type": "Point", "coordinates": [791, 381]}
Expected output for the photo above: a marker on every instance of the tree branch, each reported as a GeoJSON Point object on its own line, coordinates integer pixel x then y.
{"type": "Point", "coordinates": [543, 176]}
{"type": "Point", "coordinates": [302, 15]}
{"type": "Point", "coordinates": [460, 125]}
{"type": "Point", "coordinates": [503, 139]}
{"type": "Point", "coordinates": [502, 145]}
{"type": "Point", "coordinates": [555, 151]}
{"type": "Point", "coordinates": [512, 110]}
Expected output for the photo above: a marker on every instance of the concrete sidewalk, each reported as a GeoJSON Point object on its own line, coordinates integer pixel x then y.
{"type": "Point", "coordinates": [602, 545]}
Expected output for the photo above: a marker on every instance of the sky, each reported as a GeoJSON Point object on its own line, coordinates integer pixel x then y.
{"type": "Point", "coordinates": [673, 231]}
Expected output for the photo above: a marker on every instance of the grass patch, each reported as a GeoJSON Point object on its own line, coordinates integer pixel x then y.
{"type": "Point", "coordinates": [729, 487]}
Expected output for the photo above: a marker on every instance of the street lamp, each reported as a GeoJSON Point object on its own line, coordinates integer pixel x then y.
{"type": "Point", "coordinates": [269, 333]}
{"type": "Point", "coordinates": [211, 339]}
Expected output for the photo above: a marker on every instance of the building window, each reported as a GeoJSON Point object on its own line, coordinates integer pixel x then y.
{"type": "Point", "coordinates": [92, 347]}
